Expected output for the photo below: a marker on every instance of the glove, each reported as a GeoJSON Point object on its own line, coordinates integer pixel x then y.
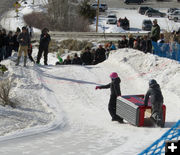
{"type": "Point", "coordinates": [98, 87]}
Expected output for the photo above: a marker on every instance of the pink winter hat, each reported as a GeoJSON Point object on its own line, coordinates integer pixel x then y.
{"type": "Point", "coordinates": [113, 75]}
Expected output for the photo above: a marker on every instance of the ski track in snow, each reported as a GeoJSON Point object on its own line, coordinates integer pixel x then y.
{"type": "Point", "coordinates": [86, 126]}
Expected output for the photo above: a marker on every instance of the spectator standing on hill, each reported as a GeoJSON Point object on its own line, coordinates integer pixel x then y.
{"type": "Point", "coordinates": [123, 43]}
{"type": "Point", "coordinates": [155, 31]}
{"type": "Point", "coordinates": [1, 44]}
{"type": "Point", "coordinates": [10, 44]}
{"type": "Point", "coordinates": [43, 46]}
{"type": "Point", "coordinates": [130, 41]}
{"type": "Point", "coordinates": [4, 43]}
{"type": "Point", "coordinates": [86, 57]}
{"type": "Point", "coordinates": [30, 50]}
{"type": "Point", "coordinates": [76, 60]}
{"type": "Point", "coordinates": [30, 30]}
{"type": "Point", "coordinates": [16, 43]}
{"type": "Point", "coordinates": [100, 55]}
{"type": "Point", "coordinates": [24, 42]}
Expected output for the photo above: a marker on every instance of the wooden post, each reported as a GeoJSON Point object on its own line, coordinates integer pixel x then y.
{"type": "Point", "coordinates": [97, 16]}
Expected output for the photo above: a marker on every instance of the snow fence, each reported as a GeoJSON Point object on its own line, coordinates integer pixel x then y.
{"type": "Point", "coordinates": [158, 147]}
{"type": "Point", "coordinates": [168, 50]}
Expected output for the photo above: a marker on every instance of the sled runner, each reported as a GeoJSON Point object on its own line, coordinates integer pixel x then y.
{"type": "Point", "coordinates": [132, 109]}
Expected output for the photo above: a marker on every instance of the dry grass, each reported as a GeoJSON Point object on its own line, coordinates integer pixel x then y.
{"type": "Point", "coordinates": [75, 45]}
{"type": "Point", "coordinates": [5, 89]}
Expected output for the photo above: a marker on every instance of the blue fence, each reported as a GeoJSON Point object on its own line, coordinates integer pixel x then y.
{"type": "Point", "coordinates": [168, 50]}
{"type": "Point", "coordinates": [158, 147]}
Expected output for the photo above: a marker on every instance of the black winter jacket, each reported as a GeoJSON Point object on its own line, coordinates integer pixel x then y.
{"type": "Point", "coordinates": [114, 86]}
{"type": "Point", "coordinates": [155, 95]}
{"type": "Point", "coordinates": [44, 41]}
{"type": "Point", "coordinates": [77, 61]}
{"type": "Point", "coordinates": [100, 55]}
{"type": "Point", "coordinates": [86, 58]}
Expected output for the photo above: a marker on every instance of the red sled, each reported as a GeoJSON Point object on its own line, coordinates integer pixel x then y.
{"type": "Point", "coordinates": [132, 109]}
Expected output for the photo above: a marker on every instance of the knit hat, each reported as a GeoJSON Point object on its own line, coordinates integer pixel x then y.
{"type": "Point", "coordinates": [113, 75]}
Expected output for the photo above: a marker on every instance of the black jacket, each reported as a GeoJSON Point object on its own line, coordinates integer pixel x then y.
{"type": "Point", "coordinates": [86, 58]}
{"type": "Point", "coordinates": [123, 44]}
{"type": "Point", "coordinates": [155, 95]}
{"type": "Point", "coordinates": [131, 42]}
{"type": "Point", "coordinates": [114, 86]}
{"type": "Point", "coordinates": [16, 43]}
{"type": "Point", "coordinates": [77, 61]}
{"type": "Point", "coordinates": [67, 62]}
{"type": "Point", "coordinates": [100, 55]}
{"type": "Point", "coordinates": [44, 41]}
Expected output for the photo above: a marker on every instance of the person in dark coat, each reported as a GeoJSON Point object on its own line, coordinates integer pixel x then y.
{"type": "Point", "coordinates": [4, 43]}
{"type": "Point", "coordinates": [123, 43]}
{"type": "Point", "coordinates": [67, 61]}
{"type": "Point", "coordinates": [156, 99]}
{"type": "Point", "coordinates": [16, 43]}
{"type": "Point", "coordinates": [115, 92]}
{"type": "Point", "coordinates": [44, 45]}
{"type": "Point", "coordinates": [76, 60]}
{"type": "Point", "coordinates": [148, 44]}
{"type": "Point", "coordinates": [10, 44]}
{"type": "Point", "coordinates": [86, 57]}
{"type": "Point", "coordinates": [1, 44]}
{"type": "Point", "coordinates": [130, 41]}
{"type": "Point", "coordinates": [155, 31]}
{"type": "Point", "coordinates": [30, 50]}
{"type": "Point", "coordinates": [100, 55]}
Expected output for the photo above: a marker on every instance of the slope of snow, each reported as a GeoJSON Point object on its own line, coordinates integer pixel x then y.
{"type": "Point", "coordinates": [33, 113]}
{"type": "Point", "coordinates": [87, 127]}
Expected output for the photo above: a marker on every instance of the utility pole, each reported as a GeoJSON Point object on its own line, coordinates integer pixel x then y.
{"type": "Point", "coordinates": [97, 16]}
{"type": "Point", "coordinates": [33, 2]}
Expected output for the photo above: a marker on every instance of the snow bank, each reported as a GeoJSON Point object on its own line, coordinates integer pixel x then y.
{"type": "Point", "coordinates": [36, 106]}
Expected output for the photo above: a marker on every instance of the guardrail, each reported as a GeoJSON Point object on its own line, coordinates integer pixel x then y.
{"type": "Point", "coordinates": [91, 35]}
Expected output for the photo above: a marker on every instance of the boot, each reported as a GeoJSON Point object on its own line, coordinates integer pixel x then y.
{"type": "Point", "coordinates": [18, 59]}
{"type": "Point", "coordinates": [25, 59]}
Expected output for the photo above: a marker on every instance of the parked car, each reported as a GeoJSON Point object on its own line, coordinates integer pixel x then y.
{"type": "Point", "coordinates": [153, 12]}
{"type": "Point", "coordinates": [133, 1]}
{"type": "Point", "coordinates": [111, 19]}
{"type": "Point", "coordinates": [112, 16]}
{"type": "Point", "coordinates": [143, 9]}
{"type": "Point", "coordinates": [102, 7]}
{"type": "Point", "coordinates": [174, 16]}
{"type": "Point", "coordinates": [171, 10]}
{"type": "Point", "coordinates": [147, 25]}
{"type": "Point", "coordinates": [124, 23]}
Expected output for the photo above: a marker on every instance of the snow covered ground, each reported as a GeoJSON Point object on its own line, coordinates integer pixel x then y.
{"type": "Point", "coordinates": [59, 111]}
{"type": "Point", "coordinates": [85, 125]}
